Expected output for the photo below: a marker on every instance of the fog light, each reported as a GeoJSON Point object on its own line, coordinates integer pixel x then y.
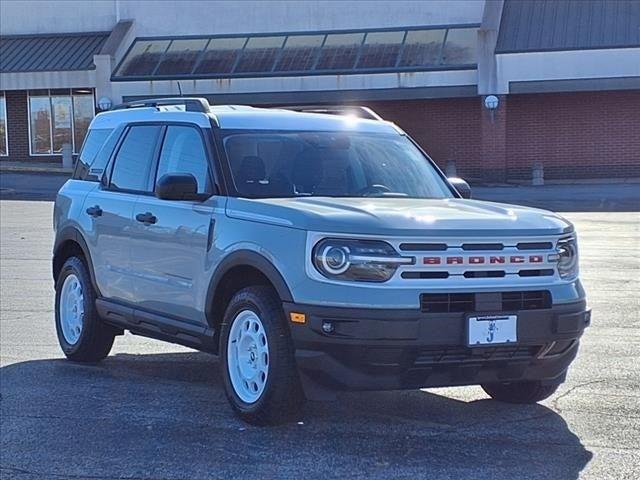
{"type": "Point", "coordinates": [327, 327]}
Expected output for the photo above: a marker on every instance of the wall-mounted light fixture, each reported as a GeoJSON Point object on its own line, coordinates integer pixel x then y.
{"type": "Point", "coordinates": [104, 103]}
{"type": "Point", "coordinates": [491, 103]}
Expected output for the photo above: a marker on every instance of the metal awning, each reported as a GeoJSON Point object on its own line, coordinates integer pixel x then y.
{"type": "Point", "coordinates": [49, 52]}
{"type": "Point", "coordinates": [551, 25]}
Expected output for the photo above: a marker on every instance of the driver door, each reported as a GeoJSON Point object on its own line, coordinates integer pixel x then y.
{"type": "Point", "coordinates": [171, 238]}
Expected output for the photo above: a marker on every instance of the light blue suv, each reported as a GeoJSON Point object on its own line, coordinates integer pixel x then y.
{"type": "Point", "coordinates": [314, 249]}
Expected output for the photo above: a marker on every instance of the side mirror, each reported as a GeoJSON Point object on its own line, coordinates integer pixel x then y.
{"type": "Point", "coordinates": [461, 186]}
{"type": "Point", "coordinates": [179, 186]}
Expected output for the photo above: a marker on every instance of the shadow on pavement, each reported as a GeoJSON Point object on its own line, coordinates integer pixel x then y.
{"type": "Point", "coordinates": [165, 416]}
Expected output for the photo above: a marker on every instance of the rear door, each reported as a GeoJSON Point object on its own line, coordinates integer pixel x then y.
{"type": "Point", "coordinates": [111, 205]}
{"type": "Point", "coordinates": [169, 255]}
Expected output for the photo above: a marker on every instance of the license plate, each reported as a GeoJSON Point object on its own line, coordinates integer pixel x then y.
{"type": "Point", "coordinates": [492, 329]}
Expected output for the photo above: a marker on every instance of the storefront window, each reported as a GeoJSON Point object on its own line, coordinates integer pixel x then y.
{"type": "Point", "coordinates": [59, 117]}
{"type": "Point", "coordinates": [83, 113]}
{"type": "Point", "coordinates": [4, 149]}
{"type": "Point", "coordinates": [40, 114]}
{"type": "Point", "coordinates": [61, 107]}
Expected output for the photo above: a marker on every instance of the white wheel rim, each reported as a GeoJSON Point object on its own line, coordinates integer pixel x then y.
{"type": "Point", "coordinates": [248, 356]}
{"type": "Point", "coordinates": [71, 309]}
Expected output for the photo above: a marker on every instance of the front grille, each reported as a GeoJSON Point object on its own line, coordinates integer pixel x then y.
{"type": "Point", "coordinates": [542, 272]}
{"type": "Point", "coordinates": [526, 300]}
{"type": "Point", "coordinates": [484, 274]}
{"type": "Point", "coordinates": [468, 302]}
{"type": "Point", "coordinates": [447, 302]}
{"type": "Point", "coordinates": [514, 260]}
{"type": "Point", "coordinates": [458, 354]}
{"type": "Point", "coordinates": [423, 247]}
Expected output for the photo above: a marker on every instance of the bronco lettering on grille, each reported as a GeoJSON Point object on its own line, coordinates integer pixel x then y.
{"type": "Point", "coordinates": [483, 260]}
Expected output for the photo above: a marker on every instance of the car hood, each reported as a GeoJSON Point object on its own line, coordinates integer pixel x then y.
{"type": "Point", "coordinates": [399, 216]}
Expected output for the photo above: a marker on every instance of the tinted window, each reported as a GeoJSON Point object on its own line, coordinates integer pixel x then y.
{"type": "Point", "coordinates": [184, 152]}
{"type": "Point", "coordinates": [330, 164]}
{"type": "Point", "coordinates": [299, 52]}
{"type": "Point", "coordinates": [340, 51]}
{"type": "Point", "coordinates": [380, 50]}
{"type": "Point", "coordinates": [259, 54]}
{"type": "Point", "coordinates": [95, 142]}
{"type": "Point", "coordinates": [134, 159]}
{"type": "Point", "coordinates": [422, 48]}
{"type": "Point", "coordinates": [143, 57]}
{"type": "Point", "coordinates": [181, 56]}
{"type": "Point", "coordinates": [460, 47]}
{"type": "Point", "coordinates": [221, 55]}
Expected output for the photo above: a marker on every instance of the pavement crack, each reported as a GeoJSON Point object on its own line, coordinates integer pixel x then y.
{"type": "Point", "coordinates": [82, 476]}
{"type": "Point", "coordinates": [555, 401]}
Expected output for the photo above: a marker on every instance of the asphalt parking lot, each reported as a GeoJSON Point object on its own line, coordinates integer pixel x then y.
{"type": "Point", "coordinates": [156, 411]}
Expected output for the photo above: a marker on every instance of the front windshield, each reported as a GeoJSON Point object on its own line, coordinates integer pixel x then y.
{"type": "Point", "coordinates": [268, 164]}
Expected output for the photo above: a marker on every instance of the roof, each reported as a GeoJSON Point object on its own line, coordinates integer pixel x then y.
{"type": "Point", "coordinates": [247, 118]}
{"type": "Point", "coordinates": [251, 118]}
{"type": "Point", "coordinates": [545, 25]}
{"type": "Point", "coordinates": [49, 52]}
{"type": "Point", "coordinates": [301, 53]}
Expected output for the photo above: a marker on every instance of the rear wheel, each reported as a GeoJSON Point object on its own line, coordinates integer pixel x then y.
{"type": "Point", "coordinates": [257, 358]}
{"type": "Point", "coordinates": [519, 392]}
{"type": "Point", "coordinates": [83, 337]}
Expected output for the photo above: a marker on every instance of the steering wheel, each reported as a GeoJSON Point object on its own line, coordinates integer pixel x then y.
{"type": "Point", "coordinates": [371, 189]}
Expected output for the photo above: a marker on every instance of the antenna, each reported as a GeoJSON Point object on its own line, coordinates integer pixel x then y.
{"type": "Point", "coordinates": [180, 89]}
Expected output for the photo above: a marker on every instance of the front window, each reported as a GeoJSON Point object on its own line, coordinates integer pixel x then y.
{"type": "Point", "coordinates": [332, 164]}
{"type": "Point", "coordinates": [59, 117]}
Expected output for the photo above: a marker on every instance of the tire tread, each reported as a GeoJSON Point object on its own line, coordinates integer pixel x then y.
{"type": "Point", "coordinates": [97, 337]}
{"type": "Point", "coordinates": [285, 397]}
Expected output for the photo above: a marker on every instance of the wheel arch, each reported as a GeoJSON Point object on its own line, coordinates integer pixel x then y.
{"type": "Point", "coordinates": [68, 242]}
{"type": "Point", "coordinates": [239, 269]}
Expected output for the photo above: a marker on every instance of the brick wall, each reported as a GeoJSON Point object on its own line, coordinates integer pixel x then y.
{"type": "Point", "coordinates": [447, 129]}
{"type": "Point", "coordinates": [18, 130]}
{"type": "Point", "coordinates": [574, 135]}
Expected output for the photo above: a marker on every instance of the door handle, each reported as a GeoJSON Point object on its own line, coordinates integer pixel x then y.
{"type": "Point", "coordinates": [95, 211]}
{"type": "Point", "coordinates": [147, 218]}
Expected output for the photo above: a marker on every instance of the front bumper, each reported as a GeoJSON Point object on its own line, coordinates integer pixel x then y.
{"type": "Point", "coordinates": [374, 349]}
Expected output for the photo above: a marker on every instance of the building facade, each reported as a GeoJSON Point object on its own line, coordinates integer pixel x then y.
{"type": "Point", "coordinates": [491, 89]}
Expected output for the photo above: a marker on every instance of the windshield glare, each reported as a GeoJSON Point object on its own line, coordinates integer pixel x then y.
{"type": "Point", "coordinates": [331, 164]}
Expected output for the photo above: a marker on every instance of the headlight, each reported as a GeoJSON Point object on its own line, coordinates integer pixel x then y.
{"type": "Point", "coordinates": [567, 249]}
{"type": "Point", "coordinates": [359, 260]}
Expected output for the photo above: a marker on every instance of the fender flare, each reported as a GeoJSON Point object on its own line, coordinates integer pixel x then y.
{"type": "Point", "coordinates": [73, 234]}
{"type": "Point", "coordinates": [254, 260]}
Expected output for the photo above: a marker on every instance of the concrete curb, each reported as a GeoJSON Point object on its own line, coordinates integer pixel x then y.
{"type": "Point", "coordinates": [13, 168]}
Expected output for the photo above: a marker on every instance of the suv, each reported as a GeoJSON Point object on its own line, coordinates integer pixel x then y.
{"type": "Point", "coordinates": [313, 249]}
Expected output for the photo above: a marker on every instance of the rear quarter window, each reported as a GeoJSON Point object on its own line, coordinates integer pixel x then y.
{"type": "Point", "coordinates": [98, 144]}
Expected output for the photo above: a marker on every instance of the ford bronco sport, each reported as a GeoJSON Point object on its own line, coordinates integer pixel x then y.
{"type": "Point", "coordinates": [314, 249]}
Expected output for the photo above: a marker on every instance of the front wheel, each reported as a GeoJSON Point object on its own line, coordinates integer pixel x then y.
{"type": "Point", "coordinates": [83, 337]}
{"type": "Point", "coordinates": [257, 358]}
{"type": "Point", "coordinates": [519, 392]}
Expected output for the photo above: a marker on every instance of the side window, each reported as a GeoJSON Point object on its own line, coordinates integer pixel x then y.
{"type": "Point", "coordinates": [184, 152]}
{"type": "Point", "coordinates": [93, 142]}
{"type": "Point", "coordinates": [97, 168]}
{"type": "Point", "coordinates": [134, 160]}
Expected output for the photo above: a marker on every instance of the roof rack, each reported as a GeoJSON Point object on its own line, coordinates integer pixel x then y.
{"type": "Point", "coordinates": [357, 110]}
{"type": "Point", "coordinates": [191, 104]}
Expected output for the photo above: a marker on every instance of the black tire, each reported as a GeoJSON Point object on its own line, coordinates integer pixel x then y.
{"type": "Point", "coordinates": [96, 338]}
{"type": "Point", "coordinates": [282, 397]}
{"type": "Point", "coordinates": [519, 392]}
